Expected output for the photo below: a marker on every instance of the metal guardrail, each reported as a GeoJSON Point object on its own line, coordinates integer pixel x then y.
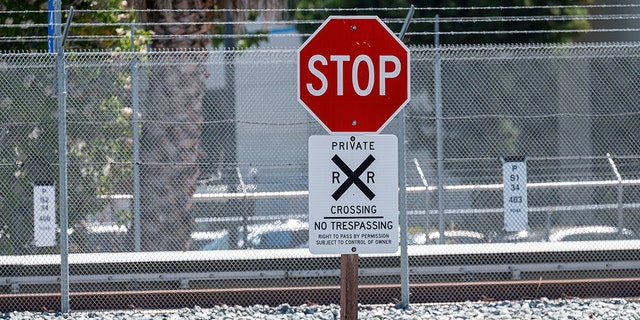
{"type": "Point", "coordinates": [272, 261]}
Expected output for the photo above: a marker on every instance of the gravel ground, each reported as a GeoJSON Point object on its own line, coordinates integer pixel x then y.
{"type": "Point", "coordinates": [527, 309]}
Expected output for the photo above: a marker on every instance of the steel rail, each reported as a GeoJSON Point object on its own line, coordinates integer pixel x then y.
{"type": "Point", "coordinates": [325, 295]}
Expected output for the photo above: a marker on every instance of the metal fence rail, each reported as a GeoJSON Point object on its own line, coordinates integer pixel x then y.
{"type": "Point", "coordinates": [228, 163]}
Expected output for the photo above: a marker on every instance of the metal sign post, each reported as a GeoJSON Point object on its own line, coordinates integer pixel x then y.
{"type": "Point", "coordinates": [61, 77]}
{"type": "Point", "coordinates": [349, 286]}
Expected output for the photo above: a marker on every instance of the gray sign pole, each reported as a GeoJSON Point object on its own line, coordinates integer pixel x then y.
{"type": "Point", "coordinates": [61, 78]}
{"type": "Point", "coordinates": [135, 97]}
{"type": "Point", "coordinates": [439, 129]}
{"type": "Point", "coordinates": [402, 171]}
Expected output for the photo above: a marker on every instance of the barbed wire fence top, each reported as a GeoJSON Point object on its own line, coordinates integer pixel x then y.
{"type": "Point", "coordinates": [603, 20]}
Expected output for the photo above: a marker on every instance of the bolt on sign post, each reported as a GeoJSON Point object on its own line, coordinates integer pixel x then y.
{"type": "Point", "coordinates": [353, 77]}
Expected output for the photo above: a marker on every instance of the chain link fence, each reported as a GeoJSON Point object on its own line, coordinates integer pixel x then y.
{"type": "Point", "coordinates": [198, 154]}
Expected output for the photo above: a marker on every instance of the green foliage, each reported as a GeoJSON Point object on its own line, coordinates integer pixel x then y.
{"type": "Point", "coordinates": [124, 217]}
{"type": "Point", "coordinates": [20, 23]}
{"type": "Point", "coordinates": [99, 141]}
{"type": "Point", "coordinates": [141, 41]}
{"type": "Point", "coordinates": [510, 133]}
{"type": "Point", "coordinates": [446, 27]}
{"type": "Point", "coordinates": [28, 146]}
{"type": "Point", "coordinates": [28, 20]}
{"type": "Point", "coordinates": [99, 159]}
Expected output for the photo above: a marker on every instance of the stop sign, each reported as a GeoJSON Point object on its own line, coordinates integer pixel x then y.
{"type": "Point", "coordinates": [353, 74]}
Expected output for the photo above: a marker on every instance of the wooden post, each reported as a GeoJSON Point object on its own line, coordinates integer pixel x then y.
{"type": "Point", "coordinates": [349, 286]}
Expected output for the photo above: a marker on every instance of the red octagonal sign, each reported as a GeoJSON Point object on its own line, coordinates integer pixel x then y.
{"type": "Point", "coordinates": [353, 74]}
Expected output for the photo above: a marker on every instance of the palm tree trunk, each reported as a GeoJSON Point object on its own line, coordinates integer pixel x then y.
{"type": "Point", "coordinates": [171, 124]}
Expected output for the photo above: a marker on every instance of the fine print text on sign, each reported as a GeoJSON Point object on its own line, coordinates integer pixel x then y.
{"type": "Point", "coordinates": [353, 194]}
{"type": "Point", "coordinates": [514, 175]}
{"type": "Point", "coordinates": [44, 216]}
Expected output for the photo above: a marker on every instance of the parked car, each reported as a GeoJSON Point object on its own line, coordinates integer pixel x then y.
{"type": "Point", "coordinates": [416, 239]}
{"type": "Point", "coordinates": [282, 235]}
{"type": "Point", "coordinates": [210, 240]}
{"type": "Point", "coordinates": [457, 237]}
{"type": "Point", "coordinates": [293, 234]}
{"type": "Point", "coordinates": [518, 236]}
{"type": "Point", "coordinates": [592, 233]}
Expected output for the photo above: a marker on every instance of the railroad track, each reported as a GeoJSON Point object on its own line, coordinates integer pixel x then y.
{"type": "Point", "coordinates": [325, 295]}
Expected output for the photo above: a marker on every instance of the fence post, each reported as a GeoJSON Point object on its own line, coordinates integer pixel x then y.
{"type": "Point", "coordinates": [230, 145]}
{"type": "Point", "coordinates": [620, 222]}
{"type": "Point", "coordinates": [402, 172]}
{"type": "Point", "coordinates": [135, 101]}
{"type": "Point", "coordinates": [61, 79]}
{"type": "Point", "coordinates": [439, 129]}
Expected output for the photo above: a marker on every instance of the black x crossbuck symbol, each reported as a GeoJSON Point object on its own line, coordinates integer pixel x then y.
{"type": "Point", "coordinates": [353, 177]}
